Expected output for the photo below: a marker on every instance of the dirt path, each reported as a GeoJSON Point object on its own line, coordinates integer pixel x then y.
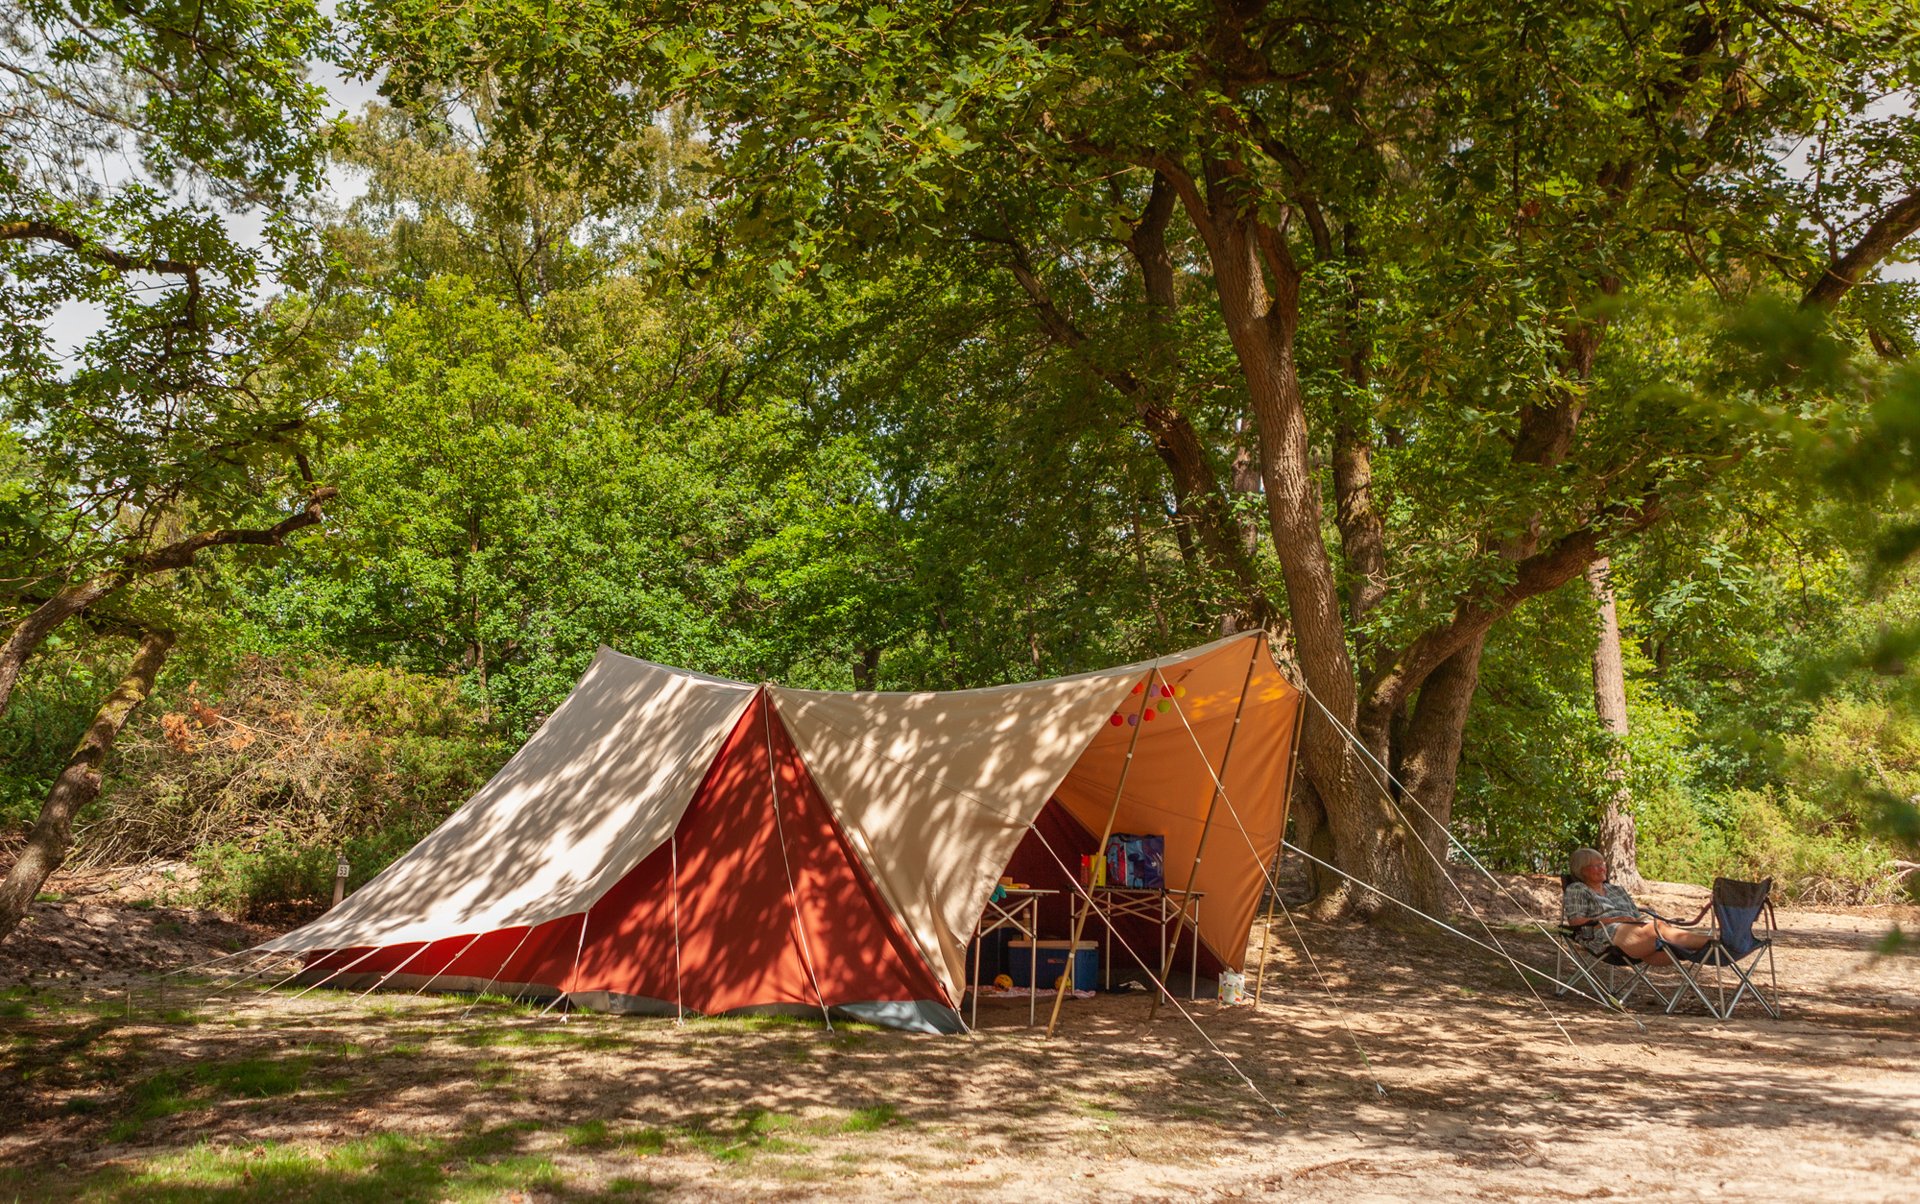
{"type": "Point", "coordinates": [251, 1096]}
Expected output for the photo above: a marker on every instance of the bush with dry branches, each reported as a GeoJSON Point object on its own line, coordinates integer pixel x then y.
{"type": "Point", "coordinates": [288, 766]}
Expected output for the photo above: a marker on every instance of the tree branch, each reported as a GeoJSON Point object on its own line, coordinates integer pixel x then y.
{"type": "Point", "coordinates": [1476, 610]}
{"type": "Point", "coordinates": [32, 631]}
{"type": "Point", "coordinates": [1894, 225]}
{"type": "Point", "coordinates": [1196, 486]}
{"type": "Point", "coordinates": [180, 553]}
{"type": "Point", "coordinates": [29, 229]}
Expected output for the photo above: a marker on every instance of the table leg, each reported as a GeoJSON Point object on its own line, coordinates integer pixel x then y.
{"type": "Point", "coordinates": [1163, 941]}
{"type": "Point", "coordinates": [1193, 966]}
{"type": "Point", "coordinates": [1106, 951]}
{"type": "Point", "coordinates": [1033, 943]}
{"type": "Point", "coordinates": [1033, 974]}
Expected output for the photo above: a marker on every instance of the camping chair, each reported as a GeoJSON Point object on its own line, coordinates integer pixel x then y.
{"type": "Point", "coordinates": [1570, 954]}
{"type": "Point", "coordinates": [1735, 950]}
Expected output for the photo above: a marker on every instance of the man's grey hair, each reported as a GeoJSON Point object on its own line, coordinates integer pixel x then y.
{"type": "Point", "coordinates": [1580, 859]}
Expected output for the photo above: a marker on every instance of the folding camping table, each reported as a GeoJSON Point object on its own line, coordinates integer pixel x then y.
{"type": "Point", "coordinates": [1019, 910]}
{"type": "Point", "coordinates": [1161, 906]}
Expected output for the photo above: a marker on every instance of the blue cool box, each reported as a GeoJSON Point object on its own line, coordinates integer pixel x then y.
{"type": "Point", "coordinates": [1053, 963]}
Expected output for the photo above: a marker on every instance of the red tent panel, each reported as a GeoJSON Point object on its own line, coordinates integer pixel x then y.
{"type": "Point", "coordinates": [739, 924]}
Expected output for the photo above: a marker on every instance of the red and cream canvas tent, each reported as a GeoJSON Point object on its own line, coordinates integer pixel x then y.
{"type": "Point", "coordinates": [673, 842]}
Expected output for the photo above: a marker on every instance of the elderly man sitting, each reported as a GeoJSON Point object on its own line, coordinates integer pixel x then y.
{"type": "Point", "coordinates": [1602, 914]}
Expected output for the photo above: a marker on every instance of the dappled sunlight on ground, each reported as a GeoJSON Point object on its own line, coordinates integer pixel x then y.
{"type": "Point", "coordinates": [188, 1094]}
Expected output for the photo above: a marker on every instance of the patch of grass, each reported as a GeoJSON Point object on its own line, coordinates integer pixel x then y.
{"type": "Point", "coordinates": [799, 1053]}
{"type": "Point", "coordinates": [153, 1097]}
{"type": "Point", "coordinates": [173, 1091]}
{"type": "Point", "coordinates": [754, 1024]}
{"type": "Point", "coordinates": [494, 1180]}
{"type": "Point", "coordinates": [498, 1139]}
{"type": "Point", "coordinates": [572, 1038]}
{"type": "Point", "coordinates": [871, 1119]}
{"type": "Point", "coordinates": [22, 1001]}
{"type": "Point", "coordinates": [589, 1135]}
{"type": "Point", "coordinates": [498, 1002]}
{"type": "Point", "coordinates": [753, 1132]}
{"type": "Point", "coordinates": [254, 1078]}
{"type": "Point", "coordinates": [47, 896]}
{"type": "Point", "coordinates": [181, 1016]}
{"type": "Point", "coordinates": [494, 1072]}
{"type": "Point", "coordinates": [405, 1049]}
{"type": "Point", "coordinates": [483, 1164]}
{"type": "Point", "coordinates": [644, 1142]}
{"type": "Point", "coordinates": [628, 1188]}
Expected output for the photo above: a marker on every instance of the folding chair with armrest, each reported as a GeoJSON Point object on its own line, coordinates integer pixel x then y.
{"type": "Point", "coordinates": [1736, 908]}
{"type": "Point", "coordinates": [1569, 953]}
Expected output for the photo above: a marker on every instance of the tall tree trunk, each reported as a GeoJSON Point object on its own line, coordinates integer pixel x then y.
{"type": "Point", "coordinates": [79, 783]}
{"type": "Point", "coordinates": [1429, 756]}
{"type": "Point", "coordinates": [1369, 844]}
{"type": "Point", "coordinates": [1617, 837]}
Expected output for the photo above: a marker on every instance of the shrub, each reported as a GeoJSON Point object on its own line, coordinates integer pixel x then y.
{"type": "Point", "coordinates": [1813, 832]}
{"type": "Point", "coordinates": [289, 766]}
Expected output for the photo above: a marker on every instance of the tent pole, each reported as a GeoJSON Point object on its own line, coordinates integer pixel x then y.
{"type": "Point", "coordinates": [780, 828]}
{"type": "Point", "coordinates": [1100, 850]}
{"type": "Point", "coordinates": [1273, 879]}
{"type": "Point", "coordinates": [1168, 955]}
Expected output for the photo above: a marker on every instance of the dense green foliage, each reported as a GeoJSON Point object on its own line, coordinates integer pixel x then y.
{"type": "Point", "coordinates": [833, 368]}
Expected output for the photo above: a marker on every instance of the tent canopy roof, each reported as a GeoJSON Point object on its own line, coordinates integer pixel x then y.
{"type": "Point", "coordinates": [933, 790]}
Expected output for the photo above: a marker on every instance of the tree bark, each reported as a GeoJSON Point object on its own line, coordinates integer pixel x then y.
{"type": "Point", "coordinates": [1891, 227]}
{"type": "Point", "coordinates": [1196, 484]}
{"type": "Point", "coordinates": [1262, 323]}
{"type": "Point", "coordinates": [79, 783]}
{"type": "Point", "coordinates": [1617, 836]}
{"type": "Point", "coordinates": [1429, 764]}
{"type": "Point", "coordinates": [31, 632]}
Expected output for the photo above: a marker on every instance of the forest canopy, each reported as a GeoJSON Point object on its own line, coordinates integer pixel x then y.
{"type": "Point", "coordinates": [1539, 376]}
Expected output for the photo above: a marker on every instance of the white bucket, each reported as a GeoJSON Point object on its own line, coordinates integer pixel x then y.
{"type": "Point", "coordinates": [1233, 987]}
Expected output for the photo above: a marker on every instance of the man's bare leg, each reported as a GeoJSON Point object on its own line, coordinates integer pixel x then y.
{"type": "Point", "coordinates": [1641, 941]}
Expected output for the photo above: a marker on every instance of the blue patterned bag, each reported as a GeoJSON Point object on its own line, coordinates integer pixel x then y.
{"type": "Point", "coordinates": [1136, 861]}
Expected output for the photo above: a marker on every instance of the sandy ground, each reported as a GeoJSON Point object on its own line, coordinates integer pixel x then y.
{"type": "Point", "coordinates": [1420, 1069]}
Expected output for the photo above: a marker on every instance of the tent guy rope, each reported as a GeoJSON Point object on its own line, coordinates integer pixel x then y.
{"type": "Point", "coordinates": [1454, 842]}
{"type": "Point", "coordinates": [1272, 885]}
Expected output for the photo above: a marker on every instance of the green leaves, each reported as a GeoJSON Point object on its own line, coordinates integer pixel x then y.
{"type": "Point", "coordinates": [127, 134]}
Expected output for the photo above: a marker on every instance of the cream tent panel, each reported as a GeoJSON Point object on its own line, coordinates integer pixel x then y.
{"type": "Point", "coordinates": [1169, 788]}
{"type": "Point", "coordinates": [599, 786]}
{"type": "Point", "coordinates": [935, 790]}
